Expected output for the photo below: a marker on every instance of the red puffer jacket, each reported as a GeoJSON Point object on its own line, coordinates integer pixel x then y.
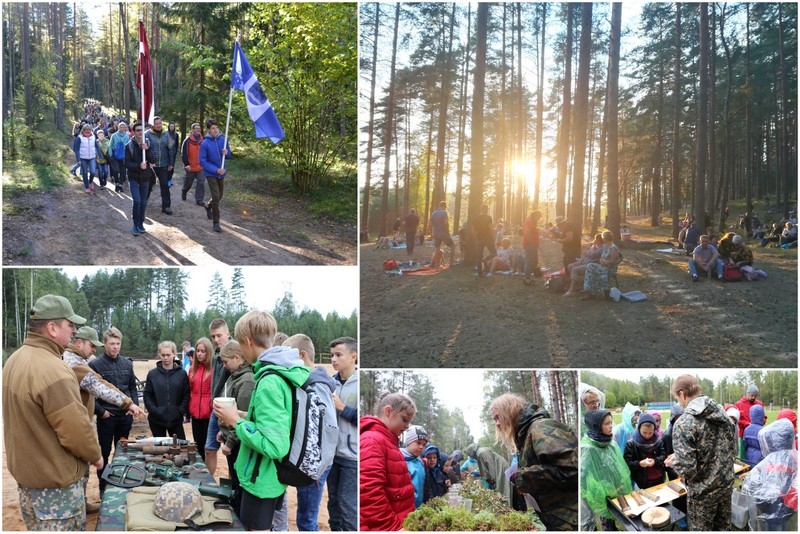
{"type": "Point", "coordinates": [200, 399]}
{"type": "Point", "coordinates": [387, 495]}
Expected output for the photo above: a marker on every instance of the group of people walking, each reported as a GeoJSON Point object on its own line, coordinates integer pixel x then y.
{"type": "Point", "coordinates": [53, 388]}
{"type": "Point", "coordinates": [110, 149]}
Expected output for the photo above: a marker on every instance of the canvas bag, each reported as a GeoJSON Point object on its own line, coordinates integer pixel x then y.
{"type": "Point", "coordinates": [313, 436]}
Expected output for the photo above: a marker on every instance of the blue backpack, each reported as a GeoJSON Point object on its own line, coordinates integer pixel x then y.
{"type": "Point", "coordinates": [119, 151]}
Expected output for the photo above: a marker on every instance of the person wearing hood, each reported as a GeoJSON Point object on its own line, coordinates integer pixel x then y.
{"type": "Point", "coordinates": [644, 454]}
{"type": "Point", "coordinates": [264, 432]}
{"type": "Point", "coordinates": [657, 416]}
{"type": "Point", "coordinates": [166, 394]}
{"type": "Point", "coordinates": [752, 447]}
{"type": "Point", "coordinates": [452, 474]}
{"type": "Point", "coordinates": [744, 404]}
{"type": "Point", "coordinates": [456, 459]}
{"type": "Point", "coordinates": [624, 430]}
{"type": "Point", "coordinates": [436, 482]}
{"type": "Point", "coordinates": [387, 494]}
{"type": "Point", "coordinates": [492, 468]}
{"type": "Point", "coordinates": [214, 150]}
{"type": "Point", "coordinates": [415, 440]}
{"type": "Point", "coordinates": [791, 416]}
{"type": "Point", "coordinates": [310, 496]}
{"type": "Point", "coordinates": [704, 453]}
{"type": "Point", "coordinates": [604, 473]}
{"type": "Point", "coordinates": [771, 486]}
{"type": "Point", "coordinates": [548, 458]}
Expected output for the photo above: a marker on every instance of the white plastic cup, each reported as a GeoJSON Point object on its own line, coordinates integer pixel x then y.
{"type": "Point", "coordinates": [467, 503]}
{"type": "Point", "coordinates": [225, 401]}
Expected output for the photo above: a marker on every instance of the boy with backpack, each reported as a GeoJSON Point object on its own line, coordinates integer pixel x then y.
{"type": "Point", "coordinates": [310, 496]}
{"type": "Point", "coordinates": [343, 477]}
{"type": "Point", "coordinates": [264, 435]}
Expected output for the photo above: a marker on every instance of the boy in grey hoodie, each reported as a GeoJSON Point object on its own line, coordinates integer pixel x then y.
{"type": "Point", "coordinates": [343, 477]}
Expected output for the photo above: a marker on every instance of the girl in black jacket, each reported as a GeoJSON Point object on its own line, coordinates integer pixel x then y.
{"type": "Point", "coordinates": [644, 454]}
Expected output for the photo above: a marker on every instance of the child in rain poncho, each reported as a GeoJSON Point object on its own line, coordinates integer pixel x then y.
{"type": "Point", "coordinates": [604, 472]}
{"type": "Point", "coordinates": [752, 446]}
{"type": "Point", "coordinates": [771, 487]}
{"type": "Point", "coordinates": [624, 430]}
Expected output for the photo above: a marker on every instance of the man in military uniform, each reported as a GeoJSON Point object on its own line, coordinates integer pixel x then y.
{"type": "Point", "coordinates": [91, 385]}
{"type": "Point", "coordinates": [705, 448]}
{"type": "Point", "coordinates": [48, 435]}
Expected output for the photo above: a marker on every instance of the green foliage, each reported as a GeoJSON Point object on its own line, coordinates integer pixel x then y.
{"type": "Point", "coordinates": [489, 513]}
{"type": "Point", "coordinates": [148, 306]}
{"type": "Point", "coordinates": [309, 54]}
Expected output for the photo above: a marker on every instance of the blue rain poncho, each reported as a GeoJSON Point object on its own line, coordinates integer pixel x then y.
{"type": "Point", "coordinates": [624, 430]}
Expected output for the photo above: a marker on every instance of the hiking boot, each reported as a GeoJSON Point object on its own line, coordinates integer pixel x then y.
{"type": "Point", "coordinates": [183, 194]}
{"type": "Point", "coordinates": [217, 227]}
{"type": "Point", "coordinates": [695, 278]}
{"type": "Point", "coordinates": [208, 212]}
{"type": "Point", "coordinates": [168, 211]}
{"type": "Point", "coordinates": [92, 507]}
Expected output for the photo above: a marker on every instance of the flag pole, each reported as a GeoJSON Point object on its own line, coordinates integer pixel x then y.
{"type": "Point", "coordinates": [230, 102]}
{"type": "Point", "coordinates": [141, 96]}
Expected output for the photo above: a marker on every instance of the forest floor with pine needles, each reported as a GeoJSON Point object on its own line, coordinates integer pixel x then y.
{"type": "Point", "coordinates": [62, 225]}
{"type": "Point", "coordinates": [453, 319]}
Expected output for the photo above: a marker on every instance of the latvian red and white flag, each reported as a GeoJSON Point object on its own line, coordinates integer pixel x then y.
{"type": "Point", "coordinates": [144, 78]}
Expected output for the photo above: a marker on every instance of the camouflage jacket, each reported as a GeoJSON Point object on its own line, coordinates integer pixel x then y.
{"type": "Point", "coordinates": [705, 447]}
{"type": "Point", "coordinates": [92, 385]}
{"type": "Point", "coordinates": [548, 466]}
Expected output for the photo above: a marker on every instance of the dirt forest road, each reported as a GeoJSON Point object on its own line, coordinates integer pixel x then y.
{"type": "Point", "coordinates": [66, 226]}
{"type": "Point", "coordinates": [453, 319]}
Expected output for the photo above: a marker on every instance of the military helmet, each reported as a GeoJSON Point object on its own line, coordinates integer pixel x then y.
{"type": "Point", "coordinates": [177, 502]}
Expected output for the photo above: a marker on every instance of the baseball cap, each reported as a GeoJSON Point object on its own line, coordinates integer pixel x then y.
{"type": "Point", "coordinates": [54, 307]}
{"type": "Point", "coordinates": [89, 334]}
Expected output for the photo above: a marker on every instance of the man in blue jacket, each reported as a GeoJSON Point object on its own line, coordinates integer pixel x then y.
{"type": "Point", "coordinates": [212, 151]}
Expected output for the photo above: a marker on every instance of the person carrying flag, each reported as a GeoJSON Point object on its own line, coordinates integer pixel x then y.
{"type": "Point", "coordinates": [213, 151]}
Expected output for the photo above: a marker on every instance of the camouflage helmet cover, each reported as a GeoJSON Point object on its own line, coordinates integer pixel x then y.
{"type": "Point", "coordinates": [177, 502]}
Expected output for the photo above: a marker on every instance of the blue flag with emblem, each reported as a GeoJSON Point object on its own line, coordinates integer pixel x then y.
{"type": "Point", "coordinates": [244, 79]}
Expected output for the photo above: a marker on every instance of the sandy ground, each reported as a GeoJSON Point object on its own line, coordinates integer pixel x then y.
{"type": "Point", "coordinates": [66, 226]}
{"type": "Point", "coordinates": [453, 319]}
{"type": "Point", "coordinates": [12, 519]}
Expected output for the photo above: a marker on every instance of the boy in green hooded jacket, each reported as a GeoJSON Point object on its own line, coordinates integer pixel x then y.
{"type": "Point", "coordinates": [263, 431]}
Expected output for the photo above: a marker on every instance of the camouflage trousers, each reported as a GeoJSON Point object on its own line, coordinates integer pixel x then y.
{"type": "Point", "coordinates": [54, 508]}
{"type": "Point", "coordinates": [709, 511]}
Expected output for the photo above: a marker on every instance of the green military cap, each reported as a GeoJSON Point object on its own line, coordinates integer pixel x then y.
{"type": "Point", "coordinates": [89, 334]}
{"type": "Point", "coordinates": [54, 307]}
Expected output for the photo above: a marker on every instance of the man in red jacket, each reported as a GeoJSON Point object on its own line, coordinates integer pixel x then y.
{"type": "Point", "coordinates": [743, 405]}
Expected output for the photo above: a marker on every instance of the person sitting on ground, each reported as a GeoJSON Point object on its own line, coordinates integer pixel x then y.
{"type": "Point", "coordinates": [502, 261]}
{"type": "Point", "coordinates": [596, 280]}
{"type": "Point", "coordinates": [789, 236]}
{"type": "Point", "coordinates": [691, 239]}
{"type": "Point", "coordinates": [740, 254]}
{"type": "Point", "coordinates": [774, 236]}
{"type": "Point", "coordinates": [577, 269]}
{"type": "Point", "coordinates": [705, 259]}
{"type": "Point", "coordinates": [725, 245]}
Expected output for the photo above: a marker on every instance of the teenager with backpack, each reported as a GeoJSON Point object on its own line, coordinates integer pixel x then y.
{"type": "Point", "coordinates": [264, 435]}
